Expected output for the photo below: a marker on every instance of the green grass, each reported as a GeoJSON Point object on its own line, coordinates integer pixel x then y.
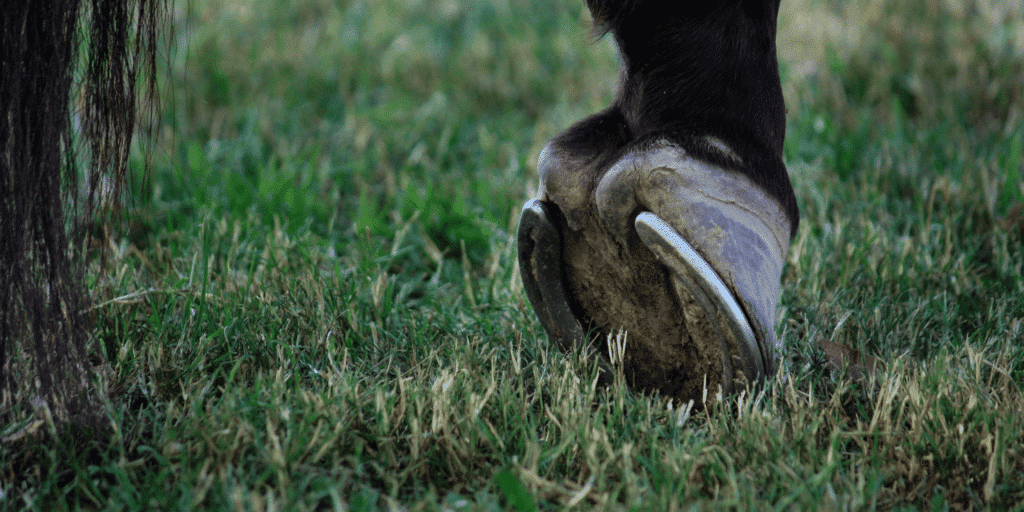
{"type": "Point", "coordinates": [314, 303]}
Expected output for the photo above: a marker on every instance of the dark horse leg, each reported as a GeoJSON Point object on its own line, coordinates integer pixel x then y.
{"type": "Point", "coordinates": [669, 214]}
{"type": "Point", "coordinates": [58, 59]}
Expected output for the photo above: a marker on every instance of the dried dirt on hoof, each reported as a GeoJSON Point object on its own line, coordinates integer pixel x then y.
{"type": "Point", "coordinates": [672, 347]}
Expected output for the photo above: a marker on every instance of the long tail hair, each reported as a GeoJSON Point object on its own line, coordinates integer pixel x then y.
{"type": "Point", "coordinates": [69, 103]}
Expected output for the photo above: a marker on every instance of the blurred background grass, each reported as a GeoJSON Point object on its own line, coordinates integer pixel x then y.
{"type": "Point", "coordinates": [313, 301]}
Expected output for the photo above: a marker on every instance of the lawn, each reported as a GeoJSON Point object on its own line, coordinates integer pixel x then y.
{"type": "Point", "coordinates": [311, 300]}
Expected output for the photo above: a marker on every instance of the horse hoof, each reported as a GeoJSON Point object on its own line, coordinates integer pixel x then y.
{"type": "Point", "coordinates": [684, 256]}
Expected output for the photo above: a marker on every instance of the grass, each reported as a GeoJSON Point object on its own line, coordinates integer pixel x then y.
{"type": "Point", "coordinates": [314, 302]}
